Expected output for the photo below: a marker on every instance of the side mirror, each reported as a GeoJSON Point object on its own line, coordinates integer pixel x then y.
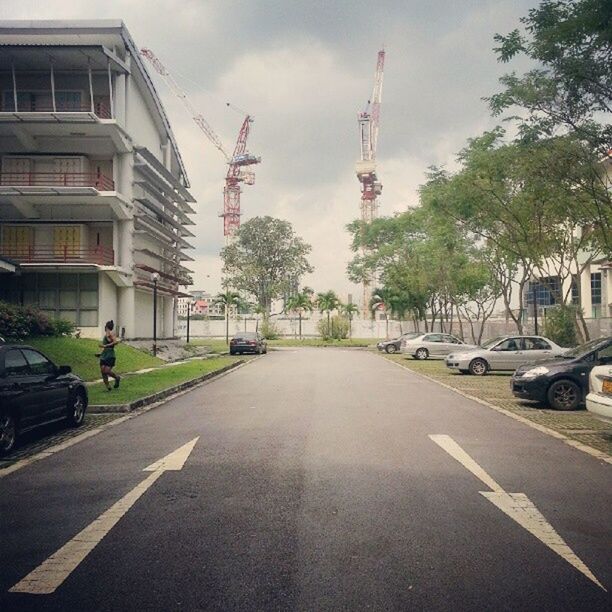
{"type": "Point", "coordinates": [65, 369]}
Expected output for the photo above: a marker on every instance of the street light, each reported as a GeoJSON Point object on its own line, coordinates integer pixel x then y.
{"type": "Point", "coordinates": [188, 313]}
{"type": "Point", "coordinates": [155, 278]}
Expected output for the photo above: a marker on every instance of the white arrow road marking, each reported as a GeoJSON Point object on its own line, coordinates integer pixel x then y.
{"type": "Point", "coordinates": [48, 576]}
{"type": "Point", "coordinates": [518, 507]}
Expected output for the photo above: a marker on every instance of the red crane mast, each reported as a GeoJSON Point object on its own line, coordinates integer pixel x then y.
{"type": "Point", "coordinates": [236, 172]}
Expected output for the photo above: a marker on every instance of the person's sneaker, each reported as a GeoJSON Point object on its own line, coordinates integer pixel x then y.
{"type": "Point", "coordinates": [117, 381]}
{"type": "Point", "coordinates": [109, 388]}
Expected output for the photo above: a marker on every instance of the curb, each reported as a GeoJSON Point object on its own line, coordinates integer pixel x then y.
{"type": "Point", "coordinates": [160, 395]}
{"type": "Point", "coordinates": [517, 417]}
{"type": "Point", "coordinates": [52, 450]}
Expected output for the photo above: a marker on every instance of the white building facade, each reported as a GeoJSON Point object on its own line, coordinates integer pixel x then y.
{"type": "Point", "coordinates": [94, 201]}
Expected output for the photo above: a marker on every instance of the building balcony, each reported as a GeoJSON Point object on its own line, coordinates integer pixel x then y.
{"type": "Point", "coordinates": [34, 110]}
{"type": "Point", "coordinates": [63, 254]}
{"type": "Point", "coordinates": [25, 183]}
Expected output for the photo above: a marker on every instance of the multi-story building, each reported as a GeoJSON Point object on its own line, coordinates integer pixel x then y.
{"type": "Point", "coordinates": [94, 200]}
{"type": "Point", "coordinates": [201, 303]}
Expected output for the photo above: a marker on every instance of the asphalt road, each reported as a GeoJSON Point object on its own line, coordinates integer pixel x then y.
{"type": "Point", "coordinates": [315, 485]}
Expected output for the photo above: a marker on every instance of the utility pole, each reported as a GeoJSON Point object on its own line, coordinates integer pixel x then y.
{"type": "Point", "coordinates": [535, 308]}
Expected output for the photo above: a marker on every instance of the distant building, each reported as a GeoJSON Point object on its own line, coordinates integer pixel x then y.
{"type": "Point", "coordinates": [202, 303]}
{"type": "Point", "coordinates": [93, 192]}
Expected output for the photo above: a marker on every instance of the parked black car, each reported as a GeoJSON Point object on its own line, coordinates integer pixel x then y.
{"type": "Point", "coordinates": [34, 391]}
{"type": "Point", "coordinates": [393, 346]}
{"type": "Point", "coordinates": [563, 382]}
{"type": "Point", "coordinates": [248, 342]}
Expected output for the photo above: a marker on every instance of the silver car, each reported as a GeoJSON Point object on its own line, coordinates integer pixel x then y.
{"type": "Point", "coordinates": [433, 345]}
{"type": "Point", "coordinates": [503, 353]}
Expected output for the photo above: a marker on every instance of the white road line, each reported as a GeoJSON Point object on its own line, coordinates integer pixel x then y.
{"type": "Point", "coordinates": [48, 576]}
{"type": "Point", "coordinates": [518, 507]}
{"type": "Point", "coordinates": [456, 452]}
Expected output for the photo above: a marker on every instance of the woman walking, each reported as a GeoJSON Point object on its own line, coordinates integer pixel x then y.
{"type": "Point", "coordinates": [107, 356]}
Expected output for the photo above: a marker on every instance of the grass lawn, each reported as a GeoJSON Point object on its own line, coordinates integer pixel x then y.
{"type": "Point", "coordinates": [214, 345]}
{"type": "Point", "coordinates": [80, 354]}
{"type": "Point", "coordinates": [140, 385]}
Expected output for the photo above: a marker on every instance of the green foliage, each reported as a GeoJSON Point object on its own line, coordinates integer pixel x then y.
{"type": "Point", "coordinates": [269, 330]}
{"type": "Point", "coordinates": [266, 259]}
{"type": "Point", "coordinates": [560, 325]}
{"type": "Point", "coordinates": [80, 355]}
{"type": "Point", "coordinates": [336, 328]}
{"type": "Point", "coordinates": [18, 322]}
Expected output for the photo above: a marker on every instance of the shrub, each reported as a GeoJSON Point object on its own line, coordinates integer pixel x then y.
{"type": "Point", "coordinates": [17, 322]}
{"type": "Point", "coordinates": [269, 330]}
{"type": "Point", "coordinates": [337, 329]}
{"type": "Point", "coordinates": [560, 325]}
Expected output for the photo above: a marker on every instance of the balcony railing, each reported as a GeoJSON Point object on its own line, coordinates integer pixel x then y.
{"type": "Point", "coordinates": [57, 179]}
{"type": "Point", "coordinates": [102, 256]}
{"type": "Point", "coordinates": [101, 108]}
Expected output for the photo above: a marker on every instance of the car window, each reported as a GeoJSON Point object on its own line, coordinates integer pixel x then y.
{"type": "Point", "coordinates": [39, 364]}
{"type": "Point", "coordinates": [433, 338]}
{"type": "Point", "coordinates": [15, 363]}
{"type": "Point", "coordinates": [511, 344]}
{"type": "Point", "coordinates": [535, 344]}
{"type": "Point", "coordinates": [451, 339]}
{"type": "Point", "coordinates": [604, 355]}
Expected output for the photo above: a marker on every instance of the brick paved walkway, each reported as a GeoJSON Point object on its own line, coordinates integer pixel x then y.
{"type": "Point", "coordinates": [43, 438]}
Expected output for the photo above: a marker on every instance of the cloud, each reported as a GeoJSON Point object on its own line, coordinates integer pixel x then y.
{"type": "Point", "coordinates": [305, 68]}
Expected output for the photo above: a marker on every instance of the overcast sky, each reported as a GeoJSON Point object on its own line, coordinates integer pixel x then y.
{"type": "Point", "coordinates": [304, 69]}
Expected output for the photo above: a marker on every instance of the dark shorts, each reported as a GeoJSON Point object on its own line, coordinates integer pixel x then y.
{"type": "Point", "coordinates": [109, 362]}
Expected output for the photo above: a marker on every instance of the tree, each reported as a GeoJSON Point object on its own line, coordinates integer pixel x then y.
{"type": "Point", "coordinates": [300, 303]}
{"type": "Point", "coordinates": [349, 311]}
{"type": "Point", "coordinates": [327, 302]}
{"type": "Point", "coordinates": [228, 299]}
{"type": "Point", "coordinates": [570, 42]}
{"type": "Point", "coordinates": [265, 260]}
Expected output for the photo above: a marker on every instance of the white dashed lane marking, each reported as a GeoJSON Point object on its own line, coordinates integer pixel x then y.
{"type": "Point", "coordinates": [517, 506]}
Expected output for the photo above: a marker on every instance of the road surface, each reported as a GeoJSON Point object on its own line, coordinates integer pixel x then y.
{"type": "Point", "coordinates": [310, 479]}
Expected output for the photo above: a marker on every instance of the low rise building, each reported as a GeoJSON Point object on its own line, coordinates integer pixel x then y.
{"type": "Point", "coordinates": [94, 201]}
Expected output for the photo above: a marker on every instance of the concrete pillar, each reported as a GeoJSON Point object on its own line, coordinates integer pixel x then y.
{"type": "Point", "coordinates": [119, 104]}
{"type": "Point", "coordinates": [585, 293]}
{"type": "Point", "coordinates": [168, 321]}
{"type": "Point", "coordinates": [107, 301]}
{"type": "Point", "coordinates": [126, 317]}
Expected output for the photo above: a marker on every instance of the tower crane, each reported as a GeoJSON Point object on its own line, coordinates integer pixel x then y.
{"type": "Point", "coordinates": [371, 187]}
{"type": "Point", "coordinates": [237, 171]}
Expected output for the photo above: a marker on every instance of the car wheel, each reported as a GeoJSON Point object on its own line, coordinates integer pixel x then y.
{"type": "Point", "coordinates": [76, 409]}
{"type": "Point", "coordinates": [564, 395]}
{"type": "Point", "coordinates": [479, 367]}
{"type": "Point", "coordinates": [421, 354]}
{"type": "Point", "coordinates": [391, 348]}
{"type": "Point", "coordinates": [8, 433]}
{"type": "Point", "coordinates": [232, 352]}
{"type": "Point", "coordinates": [265, 351]}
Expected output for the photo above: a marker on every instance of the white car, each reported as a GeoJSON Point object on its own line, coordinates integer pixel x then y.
{"type": "Point", "coordinates": [599, 400]}
{"type": "Point", "coordinates": [433, 345]}
{"type": "Point", "coordinates": [503, 353]}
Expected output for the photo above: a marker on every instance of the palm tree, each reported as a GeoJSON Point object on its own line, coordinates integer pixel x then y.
{"type": "Point", "coordinates": [327, 302]}
{"type": "Point", "coordinates": [380, 301]}
{"type": "Point", "coordinates": [350, 310]}
{"type": "Point", "coordinates": [299, 303]}
{"type": "Point", "coordinates": [228, 299]}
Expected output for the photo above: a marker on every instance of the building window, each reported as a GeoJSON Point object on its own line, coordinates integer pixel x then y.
{"type": "Point", "coordinates": [68, 296]}
{"type": "Point", "coordinates": [596, 294]}
{"type": "Point", "coordinates": [545, 291]}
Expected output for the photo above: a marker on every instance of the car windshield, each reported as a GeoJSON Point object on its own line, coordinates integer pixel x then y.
{"type": "Point", "coordinates": [492, 342]}
{"type": "Point", "coordinates": [410, 336]}
{"type": "Point", "coordinates": [583, 349]}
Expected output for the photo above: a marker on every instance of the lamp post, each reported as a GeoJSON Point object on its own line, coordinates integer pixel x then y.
{"type": "Point", "coordinates": [155, 278]}
{"type": "Point", "coordinates": [188, 313]}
